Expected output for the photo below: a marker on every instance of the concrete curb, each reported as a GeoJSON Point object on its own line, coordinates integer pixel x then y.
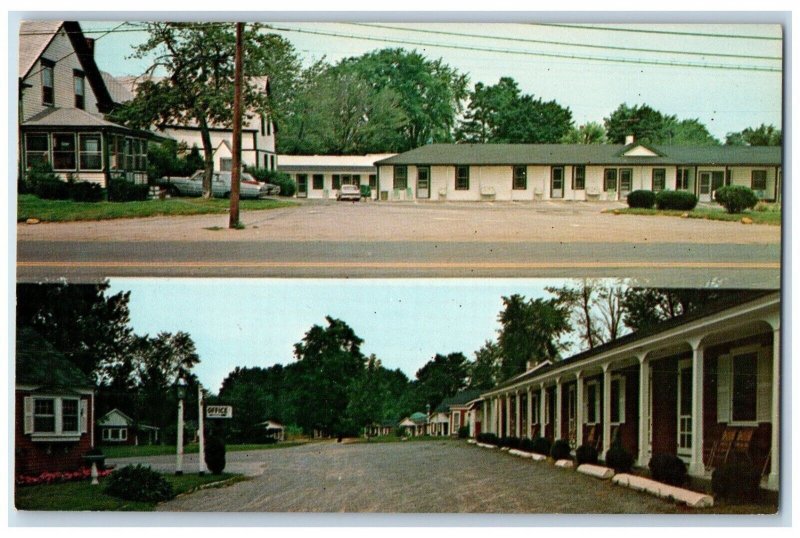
{"type": "Point", "coordinates": [564, 464]}
{"type": "Point", "coordinates": [485, 445]}
{"type": "Point", "coordinates": [538, 457]}
{"type": "Point", "coordinates": [664, 491]}
{"type": "Point", "coordinates": [472, 441]}
{"type": "Point", "coordinates": [597, 471]}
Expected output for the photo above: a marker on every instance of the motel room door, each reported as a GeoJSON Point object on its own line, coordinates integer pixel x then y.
{"type": "Point", "coordinates": [685, 407]}
{"type": "Point", "coordinates": [709, 183]}
{"type": "Point", "coordinates": [423, 182]}
{"type": "Point", "coordinates": [557, 182]}
{"type": "Point", "coordinates": [625, 182]}
{"type": "Point", "coordinates": [302, 185]}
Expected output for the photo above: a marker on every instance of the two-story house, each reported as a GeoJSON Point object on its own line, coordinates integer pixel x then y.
{"type": "Point", "coordinates": [63, 100]}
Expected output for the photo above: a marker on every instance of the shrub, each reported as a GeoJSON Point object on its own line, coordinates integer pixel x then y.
{"type": "Point", "coordinates": [642, 199]}
{"type": "Point", "coordinates": [463, 432]}
{"type": "Point", "coordinates": [215, 454]}
{"type": "Point", "coordinates": [37, 172]}
{"type": "Point", "coordinates": [85, 191]}
{"type": "Point", "coordinates": [122, 190]}
{"type": "Point", "coordinates": [488, 438]}
{"type": "Point", "coordinates": [366, 191]}
{"type": "Point", "coordinates": [541, 445]}
{"type": "Point", "coordinates": [737, 480]}
{"type": "Point", "coordinates": [509, 442]}
{"type": "Point", "coordinates": [668, 468]}
{"type": "Point", "coordinates": [282, 179]}
{"type": "Point", "coordinates": [138, 483]}
{"type": "Point", "coordinates": [586, 454]}
{"type": "Point", "coordinates": [680, 200]}
{"type": "Point", "coordinates": [51, 189]}
{"type": "Point", "coordinates": [526, 445]}
{"type": "Point", "coordinates": [618, 458]}
{"type": "Point", "coordinates": [736, 198]}
{"type": "Point", "coordinates": [560, 450]}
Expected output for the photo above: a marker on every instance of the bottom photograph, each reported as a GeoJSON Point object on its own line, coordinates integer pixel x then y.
{"type": "Point", "coordinates": [532, 396]}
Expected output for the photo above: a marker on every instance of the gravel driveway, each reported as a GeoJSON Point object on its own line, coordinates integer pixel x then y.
{"type": "Point", "coordinates": [421, 477]}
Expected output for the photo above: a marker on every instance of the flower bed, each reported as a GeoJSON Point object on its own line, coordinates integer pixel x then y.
{"type": "Point", "coordinates": [55, 477]}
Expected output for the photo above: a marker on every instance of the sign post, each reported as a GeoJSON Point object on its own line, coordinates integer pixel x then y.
{"type": "Point", "coordinates": [219, 411]}
{"type": "Point", "coordinates": [201, 433]}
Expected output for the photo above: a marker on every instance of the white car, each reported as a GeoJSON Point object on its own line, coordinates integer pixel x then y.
{"type": "Point", "coordinates": [220, 185]}
{"type": "Point", "coordinates": [349, 192]}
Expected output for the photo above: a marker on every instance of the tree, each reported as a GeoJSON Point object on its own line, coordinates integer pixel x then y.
{"type": "Point", "coordinates": [581, 301]}
{"type": "Point", "coordinates": [430, 92]}
{"type": "Point", "coordinates": [530, 331]}
{"type": "Point", "coordinates": [256, 394]}
{"type": "Point", "coordinates": [503, 114]}
{"type": "Point", "coordinates": [588, 133]}
{"type": "Point", "coordinates": [440, 377]}
{"type": "Point", "coordinates": [647, 125]}
{"type": "Point", "coordinates": [692, 133]}
{"type": "Point", "coordinates": [197, 60]}
{"type": "Point", "coordinates": [763, 135]}
{"type": "Point", "coordinates": [484, 371]}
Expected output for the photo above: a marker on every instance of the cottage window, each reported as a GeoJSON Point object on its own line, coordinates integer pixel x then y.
{"type": "Point", "coordinates": [64, 151]}
{"type": "Point", "coordinates": [659, 179]}
{"type": "Point", "coordinates": [682, 179]}
{"type": "Point", "coordinates": [79, 82]}
{"type": "Point", "coordinates": [317, 181]}
{"type": "Point", "coordinates": [534, 409]}
{"type": "Point", "coordinates": [48, 86]}
{"type": "Point", "coordinates": [37, 149]}
{"type": "Point", "coordinates": [69, 416]}
{"type": "Point", "coordinates": [373, 181]}
{"type": "Point", "coordinates": [141, 155]}
{"type": "Point", "coordinates": [462, 178]}
{"type": "Point", "coordinates": [744, 386]}
{"type": "Point", "coordinates": [130, 156]}
{"type": "Point", "coordinates": [91, 157]}
{"type": "Point", "coordinates": [48, 417]}
{"type": "Point", "coordinates": [44, 415]}
{"type": "Point", "coordinates": [520, 182]}
{"type": "Point", "coordinates": [579, 178]}
{"type": "Point", "coordinates": [263, 125]}
{"type": "Point", "coordinates": [272, 162]}
{"type": "Point", "coordinates": [610, 179]}
{"type": "Point", "coordinates": [758, 180]}
{"type": "Point", "coordinates": [617, 400]}
{"type": "Point", "coordinates": [400, 177]}
{"type": "Point", "coordinates": [456, 421]}
{"type": "Point", "coordinates": [592, 403]}
{"type": "Point", "coordinates": [336, 182]}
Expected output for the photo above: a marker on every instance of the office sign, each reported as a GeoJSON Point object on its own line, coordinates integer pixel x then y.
{"type": "Point", "coordinates": [219, 411]}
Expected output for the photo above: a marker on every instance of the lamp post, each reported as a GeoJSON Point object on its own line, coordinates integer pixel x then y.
{"type": "Point", "coordinates": [201, 464]}
{"type": "Point", "coordinates": [181, 391]}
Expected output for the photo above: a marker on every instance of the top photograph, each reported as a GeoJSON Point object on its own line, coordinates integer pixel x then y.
{"type": "Point", "coordinates": [376, 149]}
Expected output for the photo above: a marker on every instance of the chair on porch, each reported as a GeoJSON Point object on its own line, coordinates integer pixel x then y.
{"type": "Point", "coordinates": [722, 448]}
{"type": "Point", "coordinates": [743, 441]}
{"type": "Point", "coordinates": [593, 438]}
{"type": "Point", "coordinates": [534, 431]}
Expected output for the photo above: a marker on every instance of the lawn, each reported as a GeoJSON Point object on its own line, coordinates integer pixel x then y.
{"type": "Point", "coordinates": [33, 207]}
{"type": "Point", "coordinates": [83, 495]}
{"type": "Point", "coordinates": [771, 214]}
{"type": "Point", "coordinates": [163, 450]}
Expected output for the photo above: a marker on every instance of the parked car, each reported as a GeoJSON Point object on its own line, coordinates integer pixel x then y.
{"type": "Point", "coordinates": [349, 192]}
{"type": "Point", "coordinates": [220, 185]}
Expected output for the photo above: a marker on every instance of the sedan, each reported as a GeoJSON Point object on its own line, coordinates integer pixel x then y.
{"type": "Point", "coordinates": [349, 192]}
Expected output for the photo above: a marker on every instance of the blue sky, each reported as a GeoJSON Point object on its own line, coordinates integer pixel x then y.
{"type": "Point", "coordinates": [724, 99]}
{"type": "Point", "coordinates": [256, 322]}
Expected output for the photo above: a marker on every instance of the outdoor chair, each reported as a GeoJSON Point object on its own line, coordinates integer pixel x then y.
{"type": "Point", "coordinates": [722, 448]}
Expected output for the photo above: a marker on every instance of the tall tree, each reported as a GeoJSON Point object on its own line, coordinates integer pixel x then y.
{"type": "Point", "coordinates": [530, 331]}
{"type": "Point", "coordinates": [484, 371]}
{"type": "Point", "coordinates": [430, 91]}
{"type": "Point", "coordinates": [646, 124]}
{"type": "Point", "coordinates": [197, 87]}
{"type": "Point", "coordinates": [692, 132]}
{"type": "Point", "coordinates": [580, 300]}
{"type": "Point", "coordinates": [440, 377]}
{"type": "Point", "coordinates": [763, 135]}
{"type": "Point", "coordinates": [588, 133]}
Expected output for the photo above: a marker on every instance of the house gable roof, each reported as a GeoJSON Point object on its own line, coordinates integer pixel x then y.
{"type": "Point", "coordinates": [459, 399]}
{"type": "Point", "coordinates": [69, 117]}
{"type": "Point", "coordinates": [40, 364]}
{"type": "Point", "coordinates": [34, 38]}
{"type": "Point", "coordinates": [108, 418]}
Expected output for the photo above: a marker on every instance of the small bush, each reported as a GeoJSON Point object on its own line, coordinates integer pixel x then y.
{"type": "Point", "coordinates": [526, 445]}
{"type": "Point", "coordinates": [560, 450]}
{"type": "Point", "coordinates": [680, 200]}
{"type": "Point", "coordinates": [736, 198]}
{"type": "Point", "coordinates": [668, 468]}
{"type": "Point", "coordinates": [463, 432]}
{"type": "Point", "coordinates": [642, 199]}
{"type": "Point", "coordinates": [509, 442]}
{"type": "Point", "coordinates": [618, 458]}
{"type": "Point", "coordinates": [215, 455]}
{"type": "Point", "coordinates": [54, 189]}
{"type": "Point", "coordinates": [586, 454]}
{"type": "Point", "coordinates": [738, 480]}
{"type": "Point", "coordinates": [282, 179]}
{"type": "Point", "coordinates": [366, 191]}
{"type": "Point", "coordinates": [122, 190]}
{"type": "Point", "coordinates": [85, 191]}
{"type": "Point", "coordinates": [488, 438]}
{"type": "Point", "coordinates": [541, 445]}
{"type": "Point", "coordinates": [138, 483]}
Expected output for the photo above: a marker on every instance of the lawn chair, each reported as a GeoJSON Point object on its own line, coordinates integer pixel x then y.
{"type": "Point", "coordinates": [743, 441]}
{"type": "Point", "coordinates": [534, 431]}
{"type": "Point", "coordinates": [722, 448]}
{"type": "Point", "coordinates": [593, 439]}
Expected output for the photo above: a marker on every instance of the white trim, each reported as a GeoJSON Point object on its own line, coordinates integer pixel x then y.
{"type": "Point", "coordinates": [621, 402]}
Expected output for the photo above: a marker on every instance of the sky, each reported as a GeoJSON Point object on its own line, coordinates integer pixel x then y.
{"type": "Point", "coordinates": [256, 322]}
{"type": "Point", "coordinates": [550, 61]}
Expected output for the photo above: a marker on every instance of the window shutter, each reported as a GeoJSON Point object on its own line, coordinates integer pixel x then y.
{"type": "Point", "coordinates": [84, 416]}
{"type": "Point", "coordinates": [764, 390]}
{"type": "Point", "coordinates": [724, 388]}
{"type": "Point", "coordinates": [28, 410]}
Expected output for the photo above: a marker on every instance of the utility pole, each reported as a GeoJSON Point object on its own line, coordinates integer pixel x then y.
{"type": "Point", "coordinates": [236, 174]}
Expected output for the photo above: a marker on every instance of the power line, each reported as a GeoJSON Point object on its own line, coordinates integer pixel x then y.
{"type": "Point", "coordinates": [84, 32]}
{"type": "Point", "coordinates": [564, 43]}
{"type": "Point", "coordinates": [661, 32]}
{"type": "Point", "coordinates": [533, 53]}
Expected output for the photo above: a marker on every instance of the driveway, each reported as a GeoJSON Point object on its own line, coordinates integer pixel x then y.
{"type": "Point", "coordinates": [406, 477]}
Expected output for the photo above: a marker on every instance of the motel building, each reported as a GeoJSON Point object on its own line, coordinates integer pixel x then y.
{"type": "Point", "coordinates": [700, 386]}
{"type": "Point", "coordinates": [579, 172]}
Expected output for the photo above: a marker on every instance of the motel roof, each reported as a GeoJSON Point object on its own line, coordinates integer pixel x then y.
{"type": "Point", "coordinates": [585, 154]}
{"type": "Point", "coordinates": [39, 363]}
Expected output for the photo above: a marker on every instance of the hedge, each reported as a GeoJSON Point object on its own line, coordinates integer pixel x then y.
{"type": "Point", "coordinates": [680, 200]}
{"type": "Point", "coordinates": [642, 199]}
{"type": "Point", "coordinates": [736, 198]}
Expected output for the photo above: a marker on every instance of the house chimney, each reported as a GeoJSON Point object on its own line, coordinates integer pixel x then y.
{"type": "Point", "coordinates": [628, 140]}
{"type": "Point", "coordinates": [90, 46]}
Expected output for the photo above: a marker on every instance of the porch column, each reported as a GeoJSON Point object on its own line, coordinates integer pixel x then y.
{"type": "Point", "coordinates": [644, 410]}
{"type": "Point", "coordinates": [507, 429]}
{"type": "Point", "coordinates": [696, 465]}
{"type": "Point", "coordinates": [773, 480]}
{"type": "Point", "coordinates": [557, 431]}
{"type": "Point", "coordinates": [530, 413]}
{"type": "Point", "coordinates": [542, 410]}
{"type": "Point", "coordinates": [579, 409]}
{"type": "Point", "coordinates": [518, 424]}
{"type": "Point", "coordinates": [606, 407]}
{"type": "Point", "coordinates": [484, 419]}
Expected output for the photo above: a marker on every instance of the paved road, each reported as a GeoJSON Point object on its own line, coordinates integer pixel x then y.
{"type": "Point", "coordinates": [412, 477]}
{"type": "Point", "coordinates": [409, 240]}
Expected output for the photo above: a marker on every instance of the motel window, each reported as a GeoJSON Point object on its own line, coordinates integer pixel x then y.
{"type": "Point", "coordinates": [400, 177]}
{"type": "Point", "coordinates": [682, 179]}
{"type": "Point", "coordinates": [272, 162]}
{"type": "Point", "coordinates": [373, 181]}
{"type": "Point", "coordinates": [520, 182]}
{"type": "Point", "coordinates": [64, 151]}
{"type": "Point", "coordinates": [462, 178]}
{"type": "Point", "coordinates": [91, 155]}
{"type": "Point", "coordinates": [48, 86]}
{"type": "Point", "coordinates": [69, 416]}
{"type": "Point", "coordinates": [578, 178]}
{"type": "Point", "coordinates": [337, 182]}
{"type": "Point", "coordinates": [37, 149]}
{"type": "Point", "coordinates": [758, 180]}
{"type": "Point", "coordinates": [535, 409]}
{"type": "Point", "coordinates": [592, 403]}
{"type": "Point", "coordinates": [744, 386]}
{"type": "Point", "coordinates": [610, 179]}
{"type": "Point", "coordinates": [617, 400]}
{"type": "Point", "coordinates": [659, 179]}
{"type": "Point", "coordinates": [54, 415]}
{"type": "Point", "coordinates": [456, 420]}
{"type": "Point", "coordinates": [44, 415]}
{"type": "Point", "coordinates": [79, 82]}
{"type": "Point", "coordinates": [317, 181]}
